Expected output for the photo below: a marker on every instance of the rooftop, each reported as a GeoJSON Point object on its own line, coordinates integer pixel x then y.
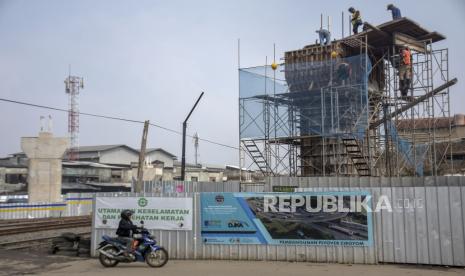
{"type": "Point", "coordinates": [100, 148]}
{"type": "Point", "coordinates": [425, 123]}
{"type": "Point", "coordinates": [400, 31]}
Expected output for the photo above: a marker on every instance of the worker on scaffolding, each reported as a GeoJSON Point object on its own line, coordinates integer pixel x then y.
{"type": "Point", "coordinates": [395, 11]}
{"type": "Point", "coordinates": [325, 36]}
{"type": "Point", "coordinates": [356, 19]}
{"type": "Point", "coordinates": [343, 70]}
{"type": "Point", "coordinates": [405, 71]}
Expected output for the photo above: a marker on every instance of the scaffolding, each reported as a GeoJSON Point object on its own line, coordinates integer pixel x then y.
{"type": "Point", "coordinates": [327, 110]}
{"type": "Point", "coordinates": [413, 136]}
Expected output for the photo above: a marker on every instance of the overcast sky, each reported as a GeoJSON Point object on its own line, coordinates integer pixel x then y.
{"type": "Point", "coordinates": [150, 60]}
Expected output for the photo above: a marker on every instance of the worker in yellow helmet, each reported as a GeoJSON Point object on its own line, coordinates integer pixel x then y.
{"type": "Point", "coordinates": [356, 19]}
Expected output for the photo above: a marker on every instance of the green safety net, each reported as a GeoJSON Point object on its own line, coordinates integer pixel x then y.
{"type": "Point", "coordinates": [414, 155]}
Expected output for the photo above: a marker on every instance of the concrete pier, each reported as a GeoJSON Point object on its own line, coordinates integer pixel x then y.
{"type": "Point", "coordinates": [45, 154]}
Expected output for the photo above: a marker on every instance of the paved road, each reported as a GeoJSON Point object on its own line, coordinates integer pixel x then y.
{"type": "Point", "coordinates": [19, 263]}
{"type": "Point", "coordinates": [235, 268]}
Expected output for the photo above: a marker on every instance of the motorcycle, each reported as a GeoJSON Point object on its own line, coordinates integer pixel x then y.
{"type": "Point", "coordinates": [113, 250]}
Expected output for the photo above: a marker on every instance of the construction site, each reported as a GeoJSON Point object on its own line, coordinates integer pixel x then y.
{"type": "Point", "coordinates": [336, 109]}
{"type": "Point", "coordinates": [346, 153]}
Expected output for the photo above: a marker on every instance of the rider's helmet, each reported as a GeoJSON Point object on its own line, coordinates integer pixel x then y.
{"type": "Point", "coordinates": [126, 214]}
{"type": "Point", "coordinates": [352, 9]}
{"type": "Point", "coordinates": [390, 6]}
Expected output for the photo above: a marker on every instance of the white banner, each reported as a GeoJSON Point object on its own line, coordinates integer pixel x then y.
{"type": "Point", "coordinates": [165, 213]}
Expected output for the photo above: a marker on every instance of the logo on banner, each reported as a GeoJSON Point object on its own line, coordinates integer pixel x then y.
{"type": "Point", "coordinates": [142, 202]}
{"type": "Point", "coordinates": [235, 240]}
{"type": "Point", "coordinates": [219, 199]}
{"type": "Point", "coordinates": [237, 224]}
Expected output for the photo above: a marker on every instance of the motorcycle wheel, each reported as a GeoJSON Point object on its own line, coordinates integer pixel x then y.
{"type": "Point", "coordinates": [157, 258]}
{"type": "Point", "coordinates": [107, 262]}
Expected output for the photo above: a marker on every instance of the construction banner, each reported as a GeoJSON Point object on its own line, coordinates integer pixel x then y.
{"type": "Point", "coordinates": [308, 218]}
{"type": "Point", "coordinates": [165, 213]}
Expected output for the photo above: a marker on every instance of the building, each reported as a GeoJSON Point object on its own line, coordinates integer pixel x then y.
{"type": "Point", "coordinates": [453, 151]}
{"type": "Point", "coordinates": [84, 172]}
{"type": "Point", "coordinates": [215, 173]}
{"type": "Point", "coordinates": [108, 154]}
{"type": "Point", "coordinates": [122, 155]}
{"type": "Point", "coordinates": [199, 172]}
{"type": "Point", "coordinates": [248, 176]}
{"type": "Point", "coordinates": [13, 176]}
{"type": "Point", "coordinates": [98, 168]}
{"type": "Point", "coordinates": [159, 155]}
{"type": "Point", "coordinates": [118, 155]}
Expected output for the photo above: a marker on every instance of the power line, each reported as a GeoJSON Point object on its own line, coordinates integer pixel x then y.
{"type": "Point", "coordinates": [115, 118]}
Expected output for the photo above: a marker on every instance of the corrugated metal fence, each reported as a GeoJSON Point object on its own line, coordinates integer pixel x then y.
{"type": "Point", "coordinates": [169, 187]}
{"type": "Point", "coordinates": [430, 233]}
{"type": "Point", "coordinates": [426, 226]}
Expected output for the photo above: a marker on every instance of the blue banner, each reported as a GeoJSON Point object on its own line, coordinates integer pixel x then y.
{"type": "Point", "coordinates": [307, 218]}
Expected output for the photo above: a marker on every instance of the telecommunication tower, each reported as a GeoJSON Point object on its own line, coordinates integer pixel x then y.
{"type": "Point", "coordinates": [73, 85]}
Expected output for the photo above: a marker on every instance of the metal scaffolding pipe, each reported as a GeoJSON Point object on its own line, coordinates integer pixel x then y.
{"type": "Point", "coordinates": [413, 103]}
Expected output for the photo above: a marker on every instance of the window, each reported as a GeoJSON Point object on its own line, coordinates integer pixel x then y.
{"type": "Point", "coordinates": [212, 179]}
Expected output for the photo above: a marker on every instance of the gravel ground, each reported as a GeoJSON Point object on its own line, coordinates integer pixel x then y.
{"type": "Point", "coordinates": [42, 234]}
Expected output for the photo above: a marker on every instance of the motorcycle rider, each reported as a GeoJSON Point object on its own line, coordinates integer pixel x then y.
{"type": "Point", "coordinates": [125, 229]}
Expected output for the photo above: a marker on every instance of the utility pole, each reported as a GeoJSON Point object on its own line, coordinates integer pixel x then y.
{"type": "Point", "coordinates": [184, 127]}
{"type": "Point", "coordinates": [139, 188]}
{"type": "Point", "coordinates": [196, 146]}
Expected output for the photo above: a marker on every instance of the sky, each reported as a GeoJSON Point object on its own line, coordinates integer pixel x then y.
{"type": "Point", "coordinates": [150, 60]}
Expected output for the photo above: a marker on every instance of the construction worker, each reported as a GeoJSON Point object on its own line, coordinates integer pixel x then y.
{"type": "Point", "coordinates": [395, 11]}
{"type": "Point", "coordinates": [343, 71]}
{"type": "Point", "coordinates": [356, 19]}
{"type": "Point", "coordinates": [325, 36]}
{"type": "Point", "coordinates": [405, 71]}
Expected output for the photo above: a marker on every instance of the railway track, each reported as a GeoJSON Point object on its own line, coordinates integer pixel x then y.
{"type": "Point", "coordinates": [34, 242]}
{"type": "Point", "coordinates": [12, 227]}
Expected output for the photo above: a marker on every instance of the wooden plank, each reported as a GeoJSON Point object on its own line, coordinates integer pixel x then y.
{"type": "Point", "coordinates": [400, 39]}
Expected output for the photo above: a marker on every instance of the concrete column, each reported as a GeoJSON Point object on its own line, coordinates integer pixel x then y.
{"type": "Point", "coordinates": [2, 176]}
{"type": "Point", "coordinates": [44, 175]}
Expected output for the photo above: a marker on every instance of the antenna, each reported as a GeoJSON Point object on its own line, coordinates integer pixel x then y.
{"type": "Point", "coordinates": [196, 146]}
{"type": "Point", "coordinates": [329, 30]}
{"type": "Point", "coordinates": [73, 85]}
{"type": "Point", "coordinates": [50, 124]}
{"type": "Point", "coordinates": [342, 23]}
{"type": "Point", "coordinates": [42, 124]}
